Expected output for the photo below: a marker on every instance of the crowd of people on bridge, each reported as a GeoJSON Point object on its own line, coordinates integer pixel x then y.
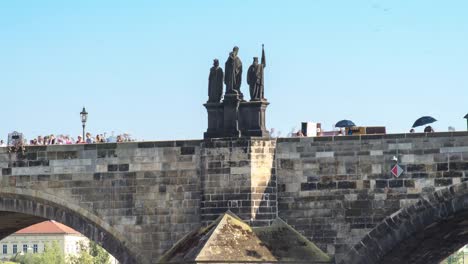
{"type": "Point", "coordinates": [343, 132]}
{"type": "Point", "coordinates": [62, 139]}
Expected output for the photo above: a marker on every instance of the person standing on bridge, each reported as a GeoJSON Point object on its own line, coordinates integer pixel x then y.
{"type": "Point", "coordinates": [80, 140]}
{"type": "Point", "coordinates": [428, 129]}
{"type": "Point", "coordinates": [89, 139]}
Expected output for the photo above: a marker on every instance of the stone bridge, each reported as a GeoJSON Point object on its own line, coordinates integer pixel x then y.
{"type": "Point", "coordinates": [138, 199]}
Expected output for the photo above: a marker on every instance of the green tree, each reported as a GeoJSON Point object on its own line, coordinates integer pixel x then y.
{"type": "Point", "coordinates": [90, 254]}
{"type": "Point", "coordinates": [52, 254]}
{"type": "Point", "coordinates": [455, 258]}
{"type": "Point", "coordinates": [83, 256]}
{"type": "Point", "coordinates": [100, 255]}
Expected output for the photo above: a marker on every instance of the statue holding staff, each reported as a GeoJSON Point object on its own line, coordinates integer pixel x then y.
{"type": "Point", "coordinates": [255, 78]}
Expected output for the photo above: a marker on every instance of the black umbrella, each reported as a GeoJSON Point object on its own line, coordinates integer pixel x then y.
{"type": "Point", "coordinates": [466, 116]}
{"type": "Point", "coordinates": [345, 123]}
{"type": "Point", "coordinates": [424, 121]}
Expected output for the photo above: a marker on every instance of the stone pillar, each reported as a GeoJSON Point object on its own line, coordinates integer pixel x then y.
{"type": "Point", "coordinates": [252, 119]}
{"type": "Point", "coordinates": [231, 113]}
{"type": "Point", "coordinates": [215, 120]}
{"type": "Point", "coordinates": [239, 175]}
{"type": "Point", "coordinates": [263, 184]}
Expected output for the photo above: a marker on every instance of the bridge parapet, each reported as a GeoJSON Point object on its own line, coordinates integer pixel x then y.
{"type": "Point", "coordinates": [336, 189]}
{"type": "Point", "coordinates": [147, 195]}
{"type": "Point", "coordinates": [148, 192]}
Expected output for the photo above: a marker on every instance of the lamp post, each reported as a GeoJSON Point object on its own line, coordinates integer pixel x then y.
{"type": "Point", "coordinates": [84, 117]}
{"type": "Point", "coordinates": [466, 121]}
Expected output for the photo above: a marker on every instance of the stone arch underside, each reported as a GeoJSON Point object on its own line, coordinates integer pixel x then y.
{"type": "Point", "coordinates": [23, 208]}
{"type": "Point", "coordinates": [425, 232]}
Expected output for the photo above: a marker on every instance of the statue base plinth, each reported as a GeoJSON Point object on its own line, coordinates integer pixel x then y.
{"type": "Point", "coordinates": [215, 120]}
{"type": "Point", "coordinates": [231, 113]}
{"type": "Point", "coordinates": [252, 118]}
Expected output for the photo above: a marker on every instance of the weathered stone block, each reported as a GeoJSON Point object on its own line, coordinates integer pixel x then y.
{"type": "Point", "coordinates": [325, 154]}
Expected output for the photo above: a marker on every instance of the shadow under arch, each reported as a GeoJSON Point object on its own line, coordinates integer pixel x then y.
{"type": "Point", "coordinates": [425, 232]}
{"type": "Point", "coordinates": [26, 207]}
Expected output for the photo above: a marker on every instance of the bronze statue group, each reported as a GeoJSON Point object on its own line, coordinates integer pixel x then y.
{"type": "Point", "coordinates": [233, 78]}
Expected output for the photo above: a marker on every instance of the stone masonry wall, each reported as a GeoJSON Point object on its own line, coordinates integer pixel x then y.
{"type": "Point", "coordinates": [148, 191]}
{"type": "Point", "coordinates": [332, 190]}
{"type": "Point", "coordinates": [335, 190]}
{"type": "Point", "coordinates": [238, 175]}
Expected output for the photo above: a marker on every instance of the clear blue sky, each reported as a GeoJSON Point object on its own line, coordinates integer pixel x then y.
{"type": "Point", "coordinates": [142, 66]}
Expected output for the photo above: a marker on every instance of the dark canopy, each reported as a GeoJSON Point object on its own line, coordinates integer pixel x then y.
{"type": "Point", "coordinates": [345, 123]}
{"type": "Point", "coordinates": [424, 121]}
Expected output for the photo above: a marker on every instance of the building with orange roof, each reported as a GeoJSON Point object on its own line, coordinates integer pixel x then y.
{"type": "Point", "coordinates": [33, 239]}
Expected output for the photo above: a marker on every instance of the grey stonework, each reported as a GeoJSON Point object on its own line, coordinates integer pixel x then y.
{"type": "Point", "coordinates": [138, 199]}
{"type": "Point", "coordinates": [425, 232]}
{"type": "Point", "coordinates": [335, 190]}
{"type": "Point", "coordinates": [239, 175]}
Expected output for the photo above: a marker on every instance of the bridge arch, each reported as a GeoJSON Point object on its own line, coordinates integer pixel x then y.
{"type": "Point", "coordinates": [31, 206]}
{"type": "Point", "coordinates": [425, 232]}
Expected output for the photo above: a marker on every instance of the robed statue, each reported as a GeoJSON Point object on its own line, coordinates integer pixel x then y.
{"type": "Point", "coordinates": [233, 76]}
{"type": "Point", "coordinates": [255, 78]}
{"type": "Point", "coordinates": [215, 83]}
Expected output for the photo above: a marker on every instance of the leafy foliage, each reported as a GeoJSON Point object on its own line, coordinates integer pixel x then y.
{"type": "Point", "coordinates": [455, 258]}
{"type": "Point", "coordinates": [90, 253]}
{"type": "Point", "coordinates": [52, 254]}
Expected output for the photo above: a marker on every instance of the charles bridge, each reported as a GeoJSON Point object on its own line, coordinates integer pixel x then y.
{"type": "Point", "coordinates": [240, 196]}
{"type": "Point", "coordinates": [138, 199]}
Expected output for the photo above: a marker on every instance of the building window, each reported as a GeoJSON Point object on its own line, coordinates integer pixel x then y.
{"type": "Point", "coordinates": [25, 248]}
{"type": "Point", "coordinates": [15, 249]}
{"type": "Point", "coordinates": [35, 248]}
{"type": "Point", "coordinates": [5, 249]}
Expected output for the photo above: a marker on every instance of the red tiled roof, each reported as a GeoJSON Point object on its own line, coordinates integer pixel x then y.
{"type": "Point", "coordinates": [47, 227]}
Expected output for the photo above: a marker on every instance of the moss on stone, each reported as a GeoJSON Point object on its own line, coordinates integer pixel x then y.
{"type": "Point", "coordinates": [288, 245]}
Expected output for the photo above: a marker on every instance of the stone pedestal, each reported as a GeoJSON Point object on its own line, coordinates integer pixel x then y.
{"type": "Point", "coordinates": [231, 113]}
{"type": "Point", "coordinates": [243, 182]}
{"type": "Point", "coordinates": [252, 119]}
{"type": "Point", "coordinates": [215, 120]}
{"type": "Point", "coordinates": [235, 118]}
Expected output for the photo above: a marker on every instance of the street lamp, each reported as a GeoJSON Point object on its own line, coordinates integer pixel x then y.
{"type": "Point", "coordinates": [84, 116]}
{"type": "Point", "coordinates": [466, 121]}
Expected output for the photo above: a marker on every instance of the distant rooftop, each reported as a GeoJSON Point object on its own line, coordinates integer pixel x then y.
{"type": "Point", "coordinates": [47, 227]}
